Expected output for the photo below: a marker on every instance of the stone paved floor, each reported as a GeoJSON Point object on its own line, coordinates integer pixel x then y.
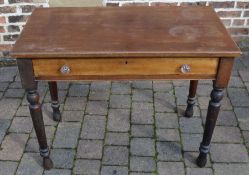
{"type": "Point", "coordinates": [121, 128]}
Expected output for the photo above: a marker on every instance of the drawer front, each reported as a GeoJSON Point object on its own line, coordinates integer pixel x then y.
{"type": "Point", "coordinates": [121, 68]}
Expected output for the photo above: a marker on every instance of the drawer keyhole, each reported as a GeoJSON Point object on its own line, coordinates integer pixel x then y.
{"type": "Point", "coordinates": [126, 62]}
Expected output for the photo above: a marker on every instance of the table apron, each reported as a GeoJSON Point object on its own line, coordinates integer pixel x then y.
{"type": "Point", "coordinates": [124, 68]}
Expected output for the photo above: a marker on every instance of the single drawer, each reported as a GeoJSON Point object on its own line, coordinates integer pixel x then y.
{"type": "Point", "coordinates": [121, 68]}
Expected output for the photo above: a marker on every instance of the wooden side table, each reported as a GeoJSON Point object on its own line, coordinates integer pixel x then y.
{"type": "Point", "coordinates": [125, 43]}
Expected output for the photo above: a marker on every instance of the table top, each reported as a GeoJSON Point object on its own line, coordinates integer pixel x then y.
{"type": "Point", "coordinates": [124, 32]}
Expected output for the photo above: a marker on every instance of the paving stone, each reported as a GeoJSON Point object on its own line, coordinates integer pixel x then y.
{"type": "Point", "coordinates": [166, 120]}
{"type": "Point", "coordinates": [142, 84]}
{"type": "Point", "coordinates": [50, 131]}
{"type": "Point", "coordinates": [231, 169]}
{"type": "Point", "coordinates": [230, 153]}
{"type": "Point", "coordinates": [225, 103]}
{"type": "Point", "coordinates": [21, 125]}
{"type": "Point", "coordinates": [33, 146]}
{"type": "Point", "coordinates": [23, 111]}
{"type": "Point", "coordinates": [87, 167]}
{"type": "Point", "coordinates": [118, 139]}
{"type": "Point", "coordinates": [235, 82]}
{"type": "Point", "coordinates": [242, 113]}
{"type": "Point", "coordinates": [142, 147]}
{"type": "Point", "coordinates": [3, 86]}
{"type": "Point", "coordinates": [63, 158]}
{"type": "Point", "coordinates": [169, 151]}
{"type": "Point", "coordinates": [97, 107]}
{"type": "Point", "coordinates": [8, 168]}
{"type": "Point", "coordinates": [142, 113]}
{"type": "Point", "coordinates": [62, 85]}
{"type": "Point", "coordinates": [164, 102]}
{"type": "Point", "coordinates": [121, 88]}
{"type": "Point", "coordinates": [15, 85]}
{"type": "Point", "coordinates": [47, 113]}
{"type": "Point", "coordinates": [141, 173]}
{"type": "Point", "coordinates": [14, 93]}
{"type": "Point", "coordinates": [93, 127]}
{"type": "Point", "coordinates": [72, 116]}
{"type": "Point", "coordinates": [4, 125]}
{"type": "Point", "coordinates": [78, 90]}
{"type": "Point", "coordinates": [142, 130]}
{"type": "Point", "coordinates": [114, 170]}
{"type": "Point", "coordinates": [198, 171]}
{"type": "Point", "coordinates": [239, 97]}
{"type": "Point", "coordinates": [244, 74]}
{"type": "Point", "coordinates": [191, 125]}
{"type": "Point", "coordinates": [31, 164]}
{"type": "Point", "coordinates": [75, 103]}
{"type": "Point", "coordinates": [162, 86]}
{"type": "Point", "coordinates": [120, 101]}
{"type": "Point", "coordinates": [8, 107]}
{"type": "Point", "coordinates": [191, 142]}
{"type": "Point", "coordinates": [57, 172]}
{"type": "Point", "coordinates": [100, 86]}
{"type": "Point", "coordinates": [99, 95]}
{"type": "Point", "coordinates": [118, 120]}
{"type": "Point", "coordinates": [181, 94]}
{"type": "Point", "coordinates": [227, 134]}
{"type": "Point", "coordinates": [66, 135]}
{"type": "Point", "coordinates": [180, 83]}
{"type": "Point", "coordinates": [144, 164]}
{"type": "Point", "coordinates": [167, 135]}
{"type": "Point", "coordinates": [90, 149]}
{"type": "Point", "coordinates": [204, 90]}
{"type": "Point", "coordinates": [12, 142]}
{"type": "Point", "coordinates": [170, 168]}
{"type": "Point", "coordinates": [246, 137]}
{"type": "Point", "coordinates": [142, 95]}
{"type": "Point", "coordinates": [61, 96]}
{"type": "Point", "coordinates": [115, 155]}
{"type": "Point", "coordinates": [7, 74]}
{"type": "Point", "coordinates": [226, 118]}
{"type": "Point", "coordinates": [190, 159]}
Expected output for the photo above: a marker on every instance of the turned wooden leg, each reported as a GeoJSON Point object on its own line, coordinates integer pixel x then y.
{"type": "Point", "coordinates": [191, 98]}
{"type": "Point", "coordinates": [212, 114]}
{"type": "Point", "coordinates": [37, 118]}
{"type": "Point", "coordinates": [54, 98]}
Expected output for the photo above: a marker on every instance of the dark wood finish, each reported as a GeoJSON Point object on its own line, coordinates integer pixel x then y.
{"type": "Point", "coordinates": [191, 98]}
{"type": "Point", "coordinates": [212, 115]}
{"type": "Point", "coordinates": [37, 118]}
{"type": "Point", "coordinates": [125, 32]}
{"type": "Point", "coordinates": [54, 100]}
{"type": "Point", "coordinates": [224, 72]}
{"type": "Point", "coordinates": [26, 72]}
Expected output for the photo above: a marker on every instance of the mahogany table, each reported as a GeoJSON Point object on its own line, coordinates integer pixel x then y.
{"type": "Point", "coordinates": [126, 43]}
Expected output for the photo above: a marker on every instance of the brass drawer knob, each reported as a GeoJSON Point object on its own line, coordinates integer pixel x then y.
{"type": "Point", "coordinates": [65, 69]}
{"type": "Point", "coordinates": [185, 68]}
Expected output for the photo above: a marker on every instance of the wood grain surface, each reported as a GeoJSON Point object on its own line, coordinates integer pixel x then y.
{"type": "Point", "coordinates": [126, 32]}
{"type": "Point", "coordinates": [126, 68]}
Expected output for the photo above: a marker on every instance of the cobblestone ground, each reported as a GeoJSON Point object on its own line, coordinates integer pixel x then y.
{"type": "Point", "coordinates": [121, 128]}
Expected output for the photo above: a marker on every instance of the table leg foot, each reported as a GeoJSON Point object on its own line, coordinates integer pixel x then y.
{"type": "Point", "coordinates": [201, 160]}
{"type": "Point", "coordinates": [56, 111]}
{"type": "Point", "coordinates": [47, 163]}
{"type": "Point", "coordinates": [189, 112]}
